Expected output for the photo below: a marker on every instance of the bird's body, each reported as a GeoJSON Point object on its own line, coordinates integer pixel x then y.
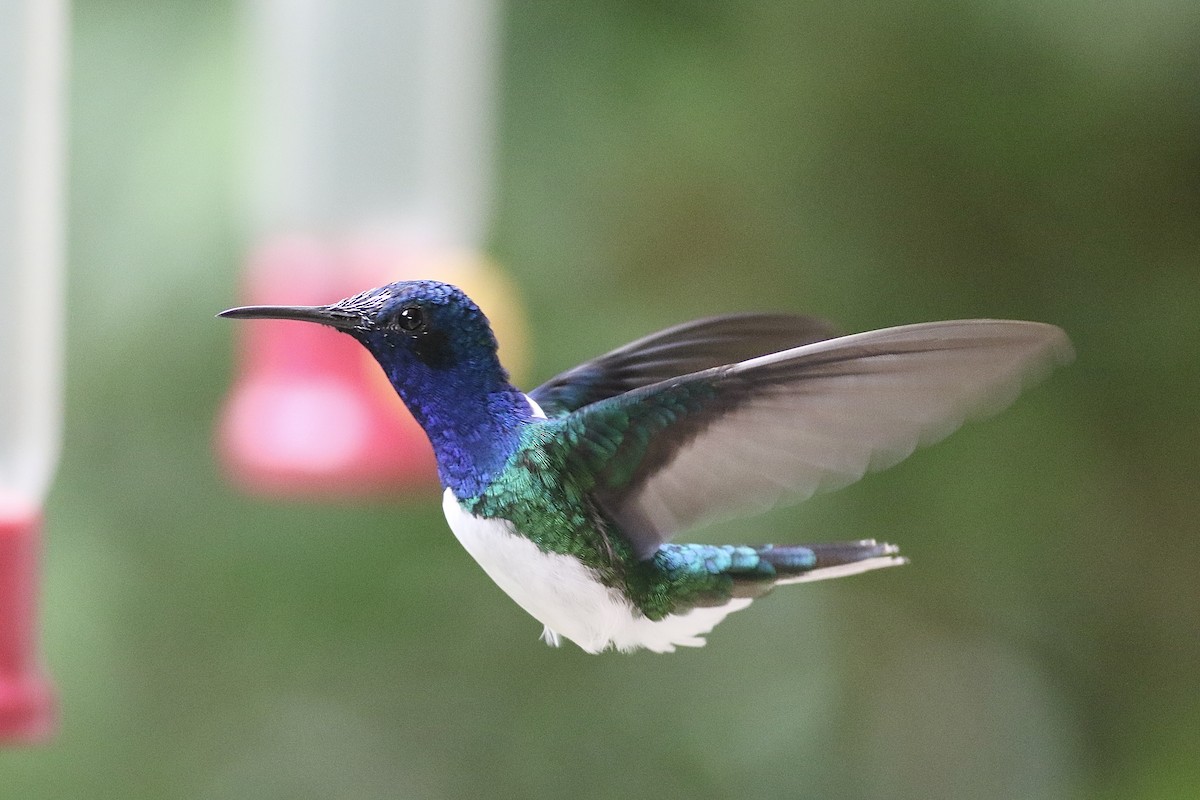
{"type": "Point", "coordinates": [568, 497]}
{"type": "Point", "coordinates": [569, 598]}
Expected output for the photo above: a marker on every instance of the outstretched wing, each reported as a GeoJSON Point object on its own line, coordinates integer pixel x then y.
{"type": "Point", "coordinates": [735, 438]}
{"type": "Point", "coordinates": [680, 350]}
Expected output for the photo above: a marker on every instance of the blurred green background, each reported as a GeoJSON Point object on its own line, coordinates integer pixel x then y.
{"type": "Point", "coordinates": [875, 164]}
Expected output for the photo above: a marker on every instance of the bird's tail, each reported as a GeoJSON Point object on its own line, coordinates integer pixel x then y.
{"type": "Point", "coordinates": [712, 574]}
{"type": "Point", "coordinates": [816, 562]}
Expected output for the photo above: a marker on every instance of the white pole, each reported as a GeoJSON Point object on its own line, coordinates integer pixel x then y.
{"type": "Point", "coordinates": [32, 54]}
{"type": "Point", "coordinates": [373, 116]}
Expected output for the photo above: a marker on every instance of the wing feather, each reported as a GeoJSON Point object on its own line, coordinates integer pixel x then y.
{"type": "Point", "coordinates": [736, 438]}
{"type": "Point", "coordinates": [679, 350]}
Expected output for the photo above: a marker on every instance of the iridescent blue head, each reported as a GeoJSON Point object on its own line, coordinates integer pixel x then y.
{"type": "Point", "coordinates": [438, 350]}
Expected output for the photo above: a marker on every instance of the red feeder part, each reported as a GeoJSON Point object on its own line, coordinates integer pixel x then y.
{"type": "Point", "coordinates": [26, 700]}
{"type": "Point", "coordinates": [311, 414]}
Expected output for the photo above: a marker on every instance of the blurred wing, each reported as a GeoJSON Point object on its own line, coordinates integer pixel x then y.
{"type": "Point", "coordinates": [680, 350]}
{"type": "Point", "coordinates": [783, 426]}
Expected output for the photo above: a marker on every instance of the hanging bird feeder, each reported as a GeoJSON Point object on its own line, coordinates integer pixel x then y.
{"type": "Point", "coordinates": [32, 39]}
{"type": "Point", "coordinates": [372, 163]}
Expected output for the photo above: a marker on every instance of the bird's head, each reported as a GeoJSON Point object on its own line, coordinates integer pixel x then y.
{"type": "Point", "coordinates": [433, 342]}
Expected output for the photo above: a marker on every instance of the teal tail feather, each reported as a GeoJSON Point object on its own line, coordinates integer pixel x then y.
{"type": "Point", "coordinates": [714, 574]}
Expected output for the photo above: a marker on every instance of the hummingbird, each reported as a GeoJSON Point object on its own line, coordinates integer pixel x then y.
{"type": "Point", "coordinates": [569, 496]}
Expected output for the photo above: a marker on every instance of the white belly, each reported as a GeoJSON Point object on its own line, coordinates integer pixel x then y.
{"type": "Point", "coordinates": [567, 597]}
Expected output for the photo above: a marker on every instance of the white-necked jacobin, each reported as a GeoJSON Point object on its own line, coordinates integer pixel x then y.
{"type": "Point", "coordinates": [568, 496]}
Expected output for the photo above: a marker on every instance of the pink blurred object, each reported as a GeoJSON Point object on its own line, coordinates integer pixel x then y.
{"type": "Point", "coordinates": [26, 700]}
{"type": "Point", "coordinates": [310, 413]}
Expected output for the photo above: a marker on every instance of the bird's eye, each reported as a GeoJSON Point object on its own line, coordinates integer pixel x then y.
{"type": "Point", "coordinates": [411, 319]}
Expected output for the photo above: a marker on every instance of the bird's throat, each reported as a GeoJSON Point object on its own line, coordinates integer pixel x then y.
{"type": "Point", "coordinates": [474, 431]}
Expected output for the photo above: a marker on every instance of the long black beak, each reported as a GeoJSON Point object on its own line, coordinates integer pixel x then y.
{"type": "Point", "coordinates": [322, 315]}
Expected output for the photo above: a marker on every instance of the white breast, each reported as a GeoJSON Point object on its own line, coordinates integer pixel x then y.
{"type": "Point", "coordinates": [567, 597]}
